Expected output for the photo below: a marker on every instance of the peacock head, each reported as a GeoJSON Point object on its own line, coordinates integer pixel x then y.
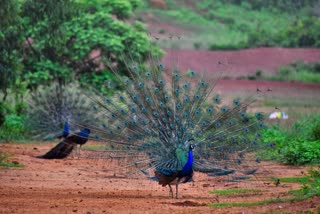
{"type": "Point", "coordinates": [192, 145]}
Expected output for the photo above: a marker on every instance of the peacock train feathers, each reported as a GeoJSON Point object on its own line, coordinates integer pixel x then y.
{"type": "Point", "coordinates": [56, 111]}
{"type": "Point", "coordinates": [167, 124]}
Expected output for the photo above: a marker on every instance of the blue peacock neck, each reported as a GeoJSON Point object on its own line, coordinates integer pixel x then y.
{"type": "Point", "coordinates": [187, 168]}
{"type": "Point", "coordinates": [85, 133]}
{"type": "Point", "coordinates": [66, 129]}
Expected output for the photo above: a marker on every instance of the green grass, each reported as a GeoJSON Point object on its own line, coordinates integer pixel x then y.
{"type": "Point", "coordinates": [4, 161]}
{"type": "Point", "coordinates": [302, 180]}
{"type": "Point", "coordinates": [310, 188]}
{"type": "Point", "coordinates": [304, 76]}
{"type": "Point", "coordinates": [254, 203]}
{"type": "Point", "coordinates": [215, 26]}
{"type": "Point", "coordinates": [226, 192]}
{"type": "Point", "coordinates": [297, 71]}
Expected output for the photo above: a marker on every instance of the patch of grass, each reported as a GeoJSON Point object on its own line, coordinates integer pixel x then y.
{"type": "Point", "coordinates": [310, 188]}
{"type": "Point", "coordinates": [254, 203]}
{"type": "Point", "coordinates": [224, 192]}
{"type": "Point", "coordinates": [4, 161]}
{"type": "Point", "coordinates": [302, 180]}
{"type": "Point", "coordinates": [13, 128]}
{"type": "Point", "coordinates": [299, 72]}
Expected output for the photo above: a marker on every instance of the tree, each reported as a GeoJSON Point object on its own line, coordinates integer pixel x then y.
{"type": "Point", "coordinates": [63, 34]}
{"type": "Point", "coordinates": [10, 44]}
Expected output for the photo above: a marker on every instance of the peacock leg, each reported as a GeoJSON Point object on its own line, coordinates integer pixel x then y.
{"type": "Point", "coordinates": [177, 195]}
{"type": "Point", "coordinates": [79, 151]}
{"type": "Point", "coordinates": [170, 191]}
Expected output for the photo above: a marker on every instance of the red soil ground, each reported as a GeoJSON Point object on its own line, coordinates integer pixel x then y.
{"type": "Point", "coordinates": [84, 186]}
{"type": "Point", "coordinates": [239, 63]}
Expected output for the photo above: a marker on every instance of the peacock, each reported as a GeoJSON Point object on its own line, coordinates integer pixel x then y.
{"type": "Point", "coordinates": [65, 147]}
{"type": "Point", "coordinates": [166, 124]}
{"type": "Point", "coordinates": [59, 111]}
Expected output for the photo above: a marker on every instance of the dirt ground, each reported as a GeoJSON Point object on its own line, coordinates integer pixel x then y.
{"type": "Point", "coordinates": [85, 186]}
{"type": "Point", "coordinates": [240, 63]}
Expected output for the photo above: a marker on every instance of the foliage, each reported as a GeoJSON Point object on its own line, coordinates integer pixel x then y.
{"type": "Point", "coordinates": [13, 128]}
{"type": "Point", "coordinates": [298, 71]}
{"type": "Point", "coordinates": [215, 25]}
{"type": "Point", "coordinates": [299, 32]}
{"type": "Point", "coordinates": [297, 146]}
{"type": "Point", "coordinates": [10, 40]}
{"type": "Point", "coordinates": [68, 40]}
{"type": "Point", "coordinates": [46, 41]}
{"type": "Point", "coordinates": [283, 5]}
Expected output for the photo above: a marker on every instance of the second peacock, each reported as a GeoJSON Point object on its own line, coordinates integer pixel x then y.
{"type": "Point", "coordinates": [167, 125]}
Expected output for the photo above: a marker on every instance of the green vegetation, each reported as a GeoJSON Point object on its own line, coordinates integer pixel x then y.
{"type": "Point", "coordinates": [302, 180]}
{"type": "Point", "coordinates": [214, 25]}
{"type": "Point", "coordinates": [44, 41]}
{"type": "Point", "coordinates": [4, 161]}
{"type": "Point", "coordinates": [254, 203]}
{"type": "Point", "coordinates": [13, 128]}
{"type": "Point", "coordinates": [225, 192]}
{"type": "Point", "coordinates": [310, 188]}
{"type": "Point", "coordinates": [298, 71]}
{"type": "Point", "coordinates": [299, 144]}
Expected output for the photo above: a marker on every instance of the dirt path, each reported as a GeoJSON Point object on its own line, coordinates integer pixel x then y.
{"type": "Point", "coordinates": [84, 186]}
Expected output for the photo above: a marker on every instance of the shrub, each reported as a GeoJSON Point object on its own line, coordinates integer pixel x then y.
{"type": "Point", "coordinates": [299, 145]}
{"type": "Point", "coordinates": [12, 128]}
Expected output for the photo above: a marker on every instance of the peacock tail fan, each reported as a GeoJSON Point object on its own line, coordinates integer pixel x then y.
{"type": "Point", "coordinates": [151, 121]}
{"type": "Point", "coordinates": [57, 109]}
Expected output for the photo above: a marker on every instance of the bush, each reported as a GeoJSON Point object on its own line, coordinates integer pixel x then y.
{"type": "Point", "coordinates": [298, 145]}
{"type": "Point", "coordinates": [13, 128]}
{"type": "Point", "coordinates": [299, 72]}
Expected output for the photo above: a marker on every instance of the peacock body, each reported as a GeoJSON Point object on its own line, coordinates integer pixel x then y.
{"type": "Point", "coordinates": [65, 147]}
{"type": "Point", "coordinates": [167, 125]}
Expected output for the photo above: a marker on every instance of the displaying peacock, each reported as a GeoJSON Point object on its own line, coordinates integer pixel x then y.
{"type": "Point", "coordinates": [167, 125]}
{"type": "Point", "coordinates": [65, 147]}
{"type": "Point", "coordinates": [59, 111]}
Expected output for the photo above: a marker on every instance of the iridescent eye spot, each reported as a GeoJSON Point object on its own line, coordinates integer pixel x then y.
{"type": "Point", "coordinates": [161, 66]}
{"type": "Point", "coordinates": [135, 69]}
{"type": "Point", "coordinates": [224, 109]}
